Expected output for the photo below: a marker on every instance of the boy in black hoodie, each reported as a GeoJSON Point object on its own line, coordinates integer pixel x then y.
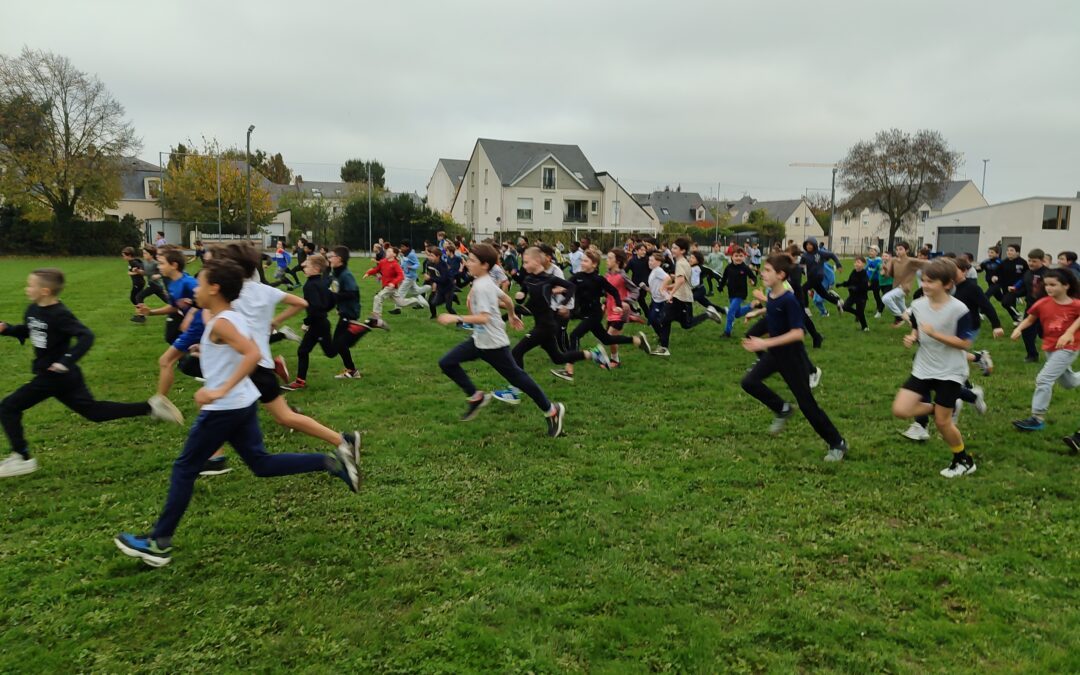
{"type": "Point", "coordinates": [441, 279]}
{"type": "Point", "coordinates": [813, 260]}
{"type": "Point", "coordinates": [50, 327]}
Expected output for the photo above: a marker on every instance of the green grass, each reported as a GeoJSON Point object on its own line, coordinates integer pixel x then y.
{"type": "Point", "coordinates": [665, 531]}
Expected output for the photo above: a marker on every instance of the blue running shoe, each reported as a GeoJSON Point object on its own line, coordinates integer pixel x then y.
{"type": "Point", "coordinates": [144, 548]}
{"type": "Point", "coordinates": [1029, 424]}
{"type": "Point", "coordinates": [506, 396]}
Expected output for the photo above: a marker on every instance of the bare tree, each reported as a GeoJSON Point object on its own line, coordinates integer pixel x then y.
{"type": "Point", "coordinates": [65, 151]}
{"type": "Point", "coordinates": [898, 171]}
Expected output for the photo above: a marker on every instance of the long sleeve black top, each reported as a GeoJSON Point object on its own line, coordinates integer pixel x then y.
{"type": "Point", "coordinates": [734, 279]}
{"type": "Point", "coordinates": [319, 299]}
{"type": "Point", "coordinates": [590, 292]}
{"type": "Point", "coordinates": [858, 283]}
{"type": "Point", "coordinates": [969, 293]}
{"type": "Point", "coordinates": [538, 289]}
{"type": "Point", "coordinates": [51, 330]}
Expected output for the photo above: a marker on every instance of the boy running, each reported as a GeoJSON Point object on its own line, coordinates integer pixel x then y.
{"type": "Point", "coordinates": [51, 327]}
{"type": "Point", "coordinates": [942, 328]}
{"type": "Point", "coordinates": [490, 343]}
{"type": "Point", "coordinates": [783, 352]}
{"type": "Point", "coordinates": [228, 414]}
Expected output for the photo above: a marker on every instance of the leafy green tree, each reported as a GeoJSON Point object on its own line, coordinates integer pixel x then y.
{"type": "Point", "coordinates": [62, 136]}
{"type": "Point", "coordinates": [356, 171]}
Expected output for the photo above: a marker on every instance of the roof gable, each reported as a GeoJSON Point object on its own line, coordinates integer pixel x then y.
{"type": "Point", "coordinates": [455, 169]}
{"type": "Point", "coordinates": [513, 159]}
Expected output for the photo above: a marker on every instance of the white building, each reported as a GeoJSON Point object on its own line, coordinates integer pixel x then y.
{"type": "Point", "coordinates": [512, 186]}
{"type": "Point", "coordinates": [860, 223]}
{"type": "Point", "coordinates": [1033, 222]}
{"type": "Point", "coordinates": [799, 221]}
{"type": "Point", "coordinates": [443, 185]}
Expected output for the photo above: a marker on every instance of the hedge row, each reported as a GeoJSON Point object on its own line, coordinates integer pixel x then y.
{"type": "Point", "coordinates": [22, 237]}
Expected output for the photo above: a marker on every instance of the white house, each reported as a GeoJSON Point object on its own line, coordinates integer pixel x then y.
{"type": "Point", "coordinates": [513, 186]}
{"type": "Point", "coordinates": [859, 223]}
{"type": "Point", "coordinates": [799, 221]}
{"type": "Point", "coordinates": [444, 183]}
{"type": "Point", "coordinates": [1032, 222]}
{"type": "Point", "coordinates": [676, 206]}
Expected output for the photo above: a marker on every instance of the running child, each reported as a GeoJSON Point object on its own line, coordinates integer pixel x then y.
{"type": "Point", "coordinates": [228, 414]}
{"type": "Point", "coordinates": [1058, 312]}
{"type": "Point", "coordinates": [51, 327]}
{"type": "Point", "coordinates": [440, 277]}
{"type": "Point", "coordinates": [490, 343]}
{"type": "Point", "coordinates": [698, 273]}
{"type": "Point", "coordinates": [783, 352]}
{"type": "Point", "coordinates": [942, 328]}
{"type": "Point", "coordinates": [858, 285]}
{"type": "Point", "coordinates": [618, 314]}
{"type": "Point", "coordinates": [317, 322]}
{"type": "Point", "coordinates": [181, 292]}
{"type": "Point", "coordinates": [154, 284]}
{"type": "Point", "coordinates": [736, 279]}
{"type": "Point", "coordinates": [138, 283]}
{"type": "Point", "coordinates": [346, 294]}
{"type": "Point", "coordinates": [593, 294]}
{"type": "Point", "coordinates": [901, 268]}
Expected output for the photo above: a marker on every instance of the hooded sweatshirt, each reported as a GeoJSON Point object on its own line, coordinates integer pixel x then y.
{"type": "Point", "coordinates": [813, 259]}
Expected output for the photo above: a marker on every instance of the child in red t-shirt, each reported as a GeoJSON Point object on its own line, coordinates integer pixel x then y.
{"type": "Point", "coordinates": [1059, 315]}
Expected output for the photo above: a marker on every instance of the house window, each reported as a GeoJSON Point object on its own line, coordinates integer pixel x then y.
{"type": "Point", "coordinates": [153, 188]}
{"type": "Point", "coordinates": [485, 176]}
{"type": "Point", "coordinates": [594, 206]}
{"type": "Point", "coordinates": [796, 220]}
{"type": "Point", "coordinates": [923, 215]}
{"type": "Point", "coordinates": [472, 179]}
{"type": "Point", "coordinates": [547, 178]}
{"type": "Point", "coordinates": [524, 209]}
{"type": "Point", "coordinates": [466, 207]}
{"type": "Point", "coordinates": [472, 210]}
{"type": "Point", "coordinates": [547, 206]}
{"type": "Point", "coordinates": [575, 211]}
{"type": "Point", "coordinates": [485, 202]}
{"type": "Point", "coordinates": [1056, 217]}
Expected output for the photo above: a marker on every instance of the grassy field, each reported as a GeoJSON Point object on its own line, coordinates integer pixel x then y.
{"type": "Point", "coordinates": [664, 532]}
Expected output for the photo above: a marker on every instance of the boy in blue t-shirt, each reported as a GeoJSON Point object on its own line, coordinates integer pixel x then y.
{"type": "Point", "coordinates": [180, 288]}
{"type": "Point", "coordinates": [785, 354]}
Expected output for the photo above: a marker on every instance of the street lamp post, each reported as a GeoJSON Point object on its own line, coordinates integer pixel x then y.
{"type": "Point", "coordinates": [370, 243]}
{"type": "Point", "coordinates": [248, 189]}
{"type": "Point", "coordinates": [317, 194]}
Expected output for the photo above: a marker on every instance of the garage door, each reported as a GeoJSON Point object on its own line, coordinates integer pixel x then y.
{"type": "Point", "coordinates": [958, 240]}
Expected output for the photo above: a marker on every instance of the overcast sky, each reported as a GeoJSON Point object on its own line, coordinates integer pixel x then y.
{"type": "Point", "coordinates": [657, 93]}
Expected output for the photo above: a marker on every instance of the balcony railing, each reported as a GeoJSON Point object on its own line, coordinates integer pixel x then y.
{"type": "Point", "coordinates": [568, 218]}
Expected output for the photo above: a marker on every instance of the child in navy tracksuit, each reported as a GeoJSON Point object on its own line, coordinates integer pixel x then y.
{"type": "Point", "coordinates": [858, 285]}
{"type": "Point", "coordinates": [317, 322]}
{"type": "Point", "coordinates": [228, 415]}
{"type": "Point", "coordinates": [783, 352]}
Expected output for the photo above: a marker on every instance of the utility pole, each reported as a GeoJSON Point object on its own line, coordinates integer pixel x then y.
{"type": "Point", "coordinates": [370, 242]}
{"type": "Point", "coordinates": [832, 200]}
{"type": "Point", "coordinates": [985, 162]}
{"type": "Point", "coordinates": [250, 129]}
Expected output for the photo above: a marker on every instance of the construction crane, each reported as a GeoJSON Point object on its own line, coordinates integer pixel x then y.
{"type": "Point", "coordinates": [832, 199]}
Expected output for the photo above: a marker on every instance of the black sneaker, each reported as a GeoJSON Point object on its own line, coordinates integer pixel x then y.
{"type": "Point", "coordinates": [395, 311]}
{"type": "Point", "coordinates": [1031, 359]}
{"type": "Point", "coordinates": [474, 407]}
{"type": "Point", "coordinates": [555, 421]}
{"type": "Point", "coordinates": [1073, 442]}
{"type": "Point", "coordinates": [215, 466]}
{"type": "Point", "coordinates": [138, 318]}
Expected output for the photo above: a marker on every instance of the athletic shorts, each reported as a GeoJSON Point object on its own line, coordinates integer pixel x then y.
{"type": "Point", "coordinates": [617, 325]}
{"type": "Point", "coordinates": [266, 381]}
{"type": "Point", "coordinates": [945, 391]}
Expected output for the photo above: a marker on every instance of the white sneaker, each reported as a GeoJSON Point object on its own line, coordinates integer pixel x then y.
{"type": "Point", "coordinates": [916, 432]}
{"type": "Point", "coordinates": [980, 400]}
{"type": "Point", "coordinates": [714, 314]}
{"type": "Point", "coordinates": [290, 334]}
{"type": "Point", "coordinates": [661, 351]}
{"type": "Point", "coordinates": [815, 378]}
{"type": "Point", "coordinates": [957, 469]}
{"type": "Point", "coordinates": [877, 315]}
{"type": "Point", "coordinates": [163, 409]}
{"type": "Point", "coordinates": [15, 465]}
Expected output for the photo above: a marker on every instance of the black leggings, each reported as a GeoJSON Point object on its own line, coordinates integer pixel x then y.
{"type": "Point", "coordinates": [442, 295]}
{"type": "Point", "coordinates": [501, 360]}
{"type": "Point", "coordinates": [545, 338]}
{"type": "Point", "coordinates": [875, 287]}
{"type": "Point", "coordinates": [818, 286]}
{"type": "Point", "coordinates": [699, 298]}
{"type": "Point", "coordinates": [792, 367]}
{"type": "Point", "coordinates": [344, 339]}
{"type": "Point", "coordinates": [595, 324]}
{"type": "Point", "coordinates": [151, 289]}
{"type": "Point", "coordinates": [135, 290]}
{"type": "Point", "coordinates": [318, 333]}
{"type": "Point", "coordinates": [70, 389]}
{"type": "Point", "coordinates": [677, 310]}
